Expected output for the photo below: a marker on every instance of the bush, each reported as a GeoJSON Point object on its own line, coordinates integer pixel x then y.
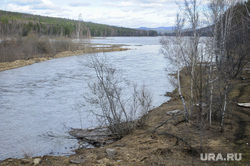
{"type": "Point", "coordinates": [24, 48]}
{"type": "Point", "coordinates": [63, 44]}
{"type": "Point", "coordinates": [118, 110]}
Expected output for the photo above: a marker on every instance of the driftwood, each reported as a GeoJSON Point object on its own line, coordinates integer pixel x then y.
{"type": "Point", "coordinates": [96, 137]}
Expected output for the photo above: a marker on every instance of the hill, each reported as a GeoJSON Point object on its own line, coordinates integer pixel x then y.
{"type": "Point", "coordinates": [16, 24]}
{"type": "Point", "coordinates": [159, 30]}
{"type": "Point", "coordinates": [169, 31]}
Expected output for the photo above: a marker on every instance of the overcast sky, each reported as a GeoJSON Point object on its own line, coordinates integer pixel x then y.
{"type": "Point", "coordinates": [126, 13]}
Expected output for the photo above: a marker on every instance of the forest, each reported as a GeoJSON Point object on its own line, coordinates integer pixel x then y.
{"type": "Point", "coordinates": [20, 24]}
{"type": "Point", "coordinates": [26, 36]}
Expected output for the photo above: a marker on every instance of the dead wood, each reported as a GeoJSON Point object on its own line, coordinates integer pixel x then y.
{"type": "Point", "coordinates": [193, 150]}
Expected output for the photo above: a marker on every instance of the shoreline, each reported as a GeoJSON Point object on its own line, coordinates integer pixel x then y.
{"type": "Point", "coordinates": [21, 63]}
{"type": "Point", "coordinates": [144, 147]}
{"type": "Point", "coordinates": [166, 146]}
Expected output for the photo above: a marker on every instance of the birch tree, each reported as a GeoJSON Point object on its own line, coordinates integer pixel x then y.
{"type": "Point", "coordinates": [216, 9]}
{"type": "Point", "coordinates": [78, 29]}
{"type": "Point", "coordinates": [231, 49]}
{"type": "Point", "coordinates": [174, 50]}
{"type": "Point", "coordinates": [191, 8]}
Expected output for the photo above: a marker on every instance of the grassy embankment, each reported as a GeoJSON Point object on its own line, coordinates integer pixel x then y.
{"type": "Point", "coordinates": [166, 140]}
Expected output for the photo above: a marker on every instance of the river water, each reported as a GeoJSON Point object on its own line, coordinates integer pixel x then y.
{"type": "Point", "coordinates": [40, 103]}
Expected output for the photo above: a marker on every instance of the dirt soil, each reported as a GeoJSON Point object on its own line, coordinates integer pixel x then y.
{"type": "Point", "coordinates": [169, 140]}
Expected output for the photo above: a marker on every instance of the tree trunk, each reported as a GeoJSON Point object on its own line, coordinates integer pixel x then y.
{"type": "Point", "coordinates": [211, 102]}
{"type": "Point", "coordinates": [224, 109]}
{"type": "Point", "coordinates": [182, 98]}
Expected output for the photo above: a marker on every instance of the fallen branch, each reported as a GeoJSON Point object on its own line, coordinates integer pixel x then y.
{"type": "Point", "coordinates": [179, 139]}
{"type": "Point", "coordinates": [166, 122]}
{"type": "Point", "coordinates": [96, 137]}
{"type": "Point", "coordinates": [161, 124]}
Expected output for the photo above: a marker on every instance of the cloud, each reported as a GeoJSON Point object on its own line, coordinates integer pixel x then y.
{"type": "Point", "coordinates": [32, 5]}
{"type": "Point", "coordinates": [139, 5]}
{"type": "Point", "coordinates": [46, 4]}
{"type": "Point", "coordinates": [14, 7]}
{"type": "Point", "coordinates": [25, 2]}
{"type": "Point", "coordinates": [126, 13]}
{"type": "Point", "coordinates": [39, 7]}
{"type": "Point", "coordinates": [79, 4]}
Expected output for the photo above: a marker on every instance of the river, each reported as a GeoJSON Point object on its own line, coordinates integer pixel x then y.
{"type": "Point", "coordinates": [40, 103]}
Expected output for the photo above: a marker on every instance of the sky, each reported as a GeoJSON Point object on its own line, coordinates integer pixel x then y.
{"type": "Point", "coordinates": [124, 13]}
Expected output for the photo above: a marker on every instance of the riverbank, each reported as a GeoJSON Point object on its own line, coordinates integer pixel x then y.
{"type": "Point", "coordinates": [169, 140]}
{"type": "Point", "coordinates": [21, 63]}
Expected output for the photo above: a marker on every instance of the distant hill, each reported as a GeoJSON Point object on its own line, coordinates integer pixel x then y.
{"type": "Point", "coordinates": [16, 24]}
{"type": "Point", "coordinates": [205, 31]}
{"type": "Point", "coordinates": [169, 31]}
{"type": "Point", "coordinates": [159, 30]}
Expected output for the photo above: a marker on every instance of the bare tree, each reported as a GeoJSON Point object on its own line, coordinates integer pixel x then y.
{"type": "Point", "coordinates": [191, 12]}
{"type": "Point", "coordinates": [216, 9]}
{"type": "Point", "coordinates": [78, 29]}
{"type": "Point", "coordinates": [229, 46]}
{"type": "Point", "coordinates": [174, 50]}
{"type": "Point", "coordinates": [117, 110]}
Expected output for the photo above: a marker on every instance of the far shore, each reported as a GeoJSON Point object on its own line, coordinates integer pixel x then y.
{"type": "Point", "coordinates": [20, 63]}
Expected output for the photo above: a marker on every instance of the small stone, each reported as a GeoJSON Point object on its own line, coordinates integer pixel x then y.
{"type": "Point", "coordinates": [25, 161]}
{"type": "Point", "coordinates": [77, 161]}
{"type": "Point", "coordinates": [174, 112]}
{"type": "Point", "coordinates": [37, 161]}
{"type": "Point", "coordinates": [111, 153]}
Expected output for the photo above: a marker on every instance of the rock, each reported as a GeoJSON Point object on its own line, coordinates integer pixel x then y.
{"type": "Point", "coordinates": [174, 112]}
{"type": "Point", "coordinates": [77, 161]}
{"type": "Point", "coordinates": [111, 153]}
{"type": "Point", "coordinates": [26, 161]}
{"type": "Point", "coordinates": [37, 161]}
{"type": "Point", "coordinates": [244, 104]}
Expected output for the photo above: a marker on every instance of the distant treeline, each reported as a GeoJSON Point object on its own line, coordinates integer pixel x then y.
{"type": "Point", "coordinates": [20, 24]}
{"type": "Point", "coordinates": [206, 32]}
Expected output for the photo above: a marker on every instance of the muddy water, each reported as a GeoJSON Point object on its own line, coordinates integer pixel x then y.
{"type": "Point", "coordinates": [41, 102]}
